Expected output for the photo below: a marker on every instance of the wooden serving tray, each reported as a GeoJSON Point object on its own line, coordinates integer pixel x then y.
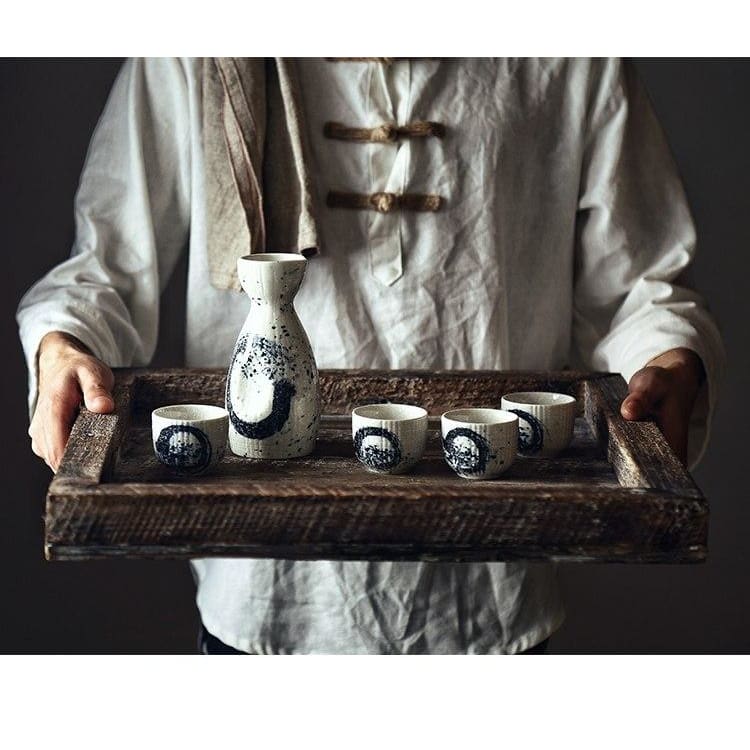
{"type": "Point", "coordinates": [618, 494]}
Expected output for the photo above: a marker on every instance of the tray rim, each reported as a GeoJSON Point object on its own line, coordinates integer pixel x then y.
{"type": "Point", "coordinates": [79, 478]}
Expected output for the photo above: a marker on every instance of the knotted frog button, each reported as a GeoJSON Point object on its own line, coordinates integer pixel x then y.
{"type": "Point", "coordinates": [383, 203]}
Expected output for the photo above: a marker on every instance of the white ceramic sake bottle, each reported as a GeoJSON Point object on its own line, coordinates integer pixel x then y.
{"type": "Point", "coordinates": [272, 385]}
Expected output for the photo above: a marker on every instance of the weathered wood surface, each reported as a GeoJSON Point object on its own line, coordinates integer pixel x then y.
{"type": "Point", "coordinates": [637, 451]}
{"type": "Point", "coordinates": [618, 494]}
{"type": "Point", "coordinates": [331, 521]}
{"type": "Point", "coordinates": [334, 458]}
{"type": "Point", "coordinates": [95, 438]}
{"type": "Point", "coordinates": [342, 390]}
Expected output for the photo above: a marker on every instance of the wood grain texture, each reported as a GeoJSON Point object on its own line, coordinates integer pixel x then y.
{"type": "Point", "coordinates": [95, 438]}
{"type": "Point", "coordinates": [342, 390]}
{"type": "Point", "coordinates": [615, 495]}
{"type": "Point", "coordinates": [333, 521]}
{"type": "Point", "coordinates": [637, 451]}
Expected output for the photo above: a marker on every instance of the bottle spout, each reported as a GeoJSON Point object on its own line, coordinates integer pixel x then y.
{"type": "Point", "coordinates": [271, 277]}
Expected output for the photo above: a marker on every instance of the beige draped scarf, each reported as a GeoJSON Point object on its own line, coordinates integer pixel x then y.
{"type": "Point", "coordinates": [258, 187]}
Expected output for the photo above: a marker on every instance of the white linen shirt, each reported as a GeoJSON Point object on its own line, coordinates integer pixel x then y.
{"type": "Point", "coordinates": [560, 242]}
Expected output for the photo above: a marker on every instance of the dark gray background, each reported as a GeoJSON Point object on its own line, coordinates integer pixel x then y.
{"type": "Point", "coordinates": [49, 109]}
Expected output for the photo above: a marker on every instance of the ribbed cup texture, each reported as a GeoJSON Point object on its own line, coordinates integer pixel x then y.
{"type": "Point", "coordinates": [189, 446]}
{"type": "Point", "coordinates": [544, 429]}
{"type": "Point", "coordinates": [389, 446]}
{"type": "Point", "coordinates": [477, 450]}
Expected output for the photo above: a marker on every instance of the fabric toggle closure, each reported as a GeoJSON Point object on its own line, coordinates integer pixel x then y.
{"type": "Point", "coordinates": [385, 203]}
{"type": "Point", "coordinates": [385, 133]}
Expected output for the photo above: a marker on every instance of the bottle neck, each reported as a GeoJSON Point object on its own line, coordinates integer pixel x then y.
{"type": "Point", "coordinates": [271, 305]}
{"type": "Point", "coordinates": [263, 316]}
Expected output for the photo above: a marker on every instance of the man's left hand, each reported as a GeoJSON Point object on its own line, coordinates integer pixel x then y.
{"type": "Point", "coordinates": [665, 391]}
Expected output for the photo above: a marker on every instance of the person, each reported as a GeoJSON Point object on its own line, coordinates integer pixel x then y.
{"type": "Point", "coordinates": [468, 214]}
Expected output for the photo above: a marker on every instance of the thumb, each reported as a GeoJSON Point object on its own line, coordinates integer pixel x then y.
{"type": "Point", "coordinates": [96, 385]}
{"type": "Point", "coordinates": [641, 399]}
{"type": "Point", "coordinates": [646, 390]}
{"type": "Point", "coordinates": [637, 405]}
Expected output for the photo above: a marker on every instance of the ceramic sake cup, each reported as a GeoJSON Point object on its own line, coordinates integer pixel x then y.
{"type": "Point", "coordinates": [545, 421]}
{"type": "Point", "coordinates": [479, 443]}
{"type": "Point", "coordinates": [189, 439]}
{"type": "Point", "coordinates": [389, 438]}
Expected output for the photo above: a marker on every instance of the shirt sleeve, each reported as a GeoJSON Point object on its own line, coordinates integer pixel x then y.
{"type": "Point", "coordinates": [132, 213]}
{"type": "Point", "coordinates": [635, 245]}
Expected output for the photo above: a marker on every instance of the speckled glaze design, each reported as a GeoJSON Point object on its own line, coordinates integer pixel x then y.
{"type": "Point", "coordinates": [546, 421]}
{"type": "Point", "coordinates": [530, 433]}
{"type": "Point", "coordinates": [389, 438]}
{"type": "Point", "coordinates": [272, 385]}
{"type": "Point", "coordinates": [479, 443]}
{"type": "Point", "coordinates": [189, 438]}
{"type": "Point", "coordinates": [374, 456]}
{"type": "Point", "coordinates": [184, 448]}
{"type": "Point", "coordinates": [466, 451]}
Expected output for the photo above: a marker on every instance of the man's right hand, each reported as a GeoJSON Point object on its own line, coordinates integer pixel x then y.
{"type": "Point", "coordinates": [68, 376]}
